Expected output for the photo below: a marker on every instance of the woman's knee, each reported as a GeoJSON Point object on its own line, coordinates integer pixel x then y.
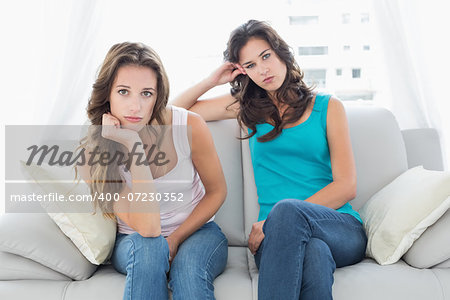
{"type": "Point", "coordinates": [150, 252]}
{"type": "Point", "coordinates": [202, 265]}
{"type": "Point", "coordinates": [198, 263]}
{"type": "Point", "coordinates": [288, 207]}
{"type": "Point", "coordinates": [285, 214]}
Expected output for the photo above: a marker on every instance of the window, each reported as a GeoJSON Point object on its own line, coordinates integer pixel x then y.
{"type": "Point", "coordinates": [365, 18]}
{"type": "Point", "coordinates": [316, 77]}
{"type": "Point", "coordinates": [356, 73]}
{"type": "Point", "coordinates": [366, 47]}
{"type": "Point", "coordinates": [346, 18]}
{"type": "Point", "coordinates": [315, 50]}
{"type": "Point", "coordinates": [339, 72]}
{"type": "Point", "coordinates": [303, 20]}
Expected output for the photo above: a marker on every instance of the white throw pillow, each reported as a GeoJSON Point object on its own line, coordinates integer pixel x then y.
{"type": "Point", "coordinates": [400, 212]}
{"type": "Point", "coordinates": [93, 234]}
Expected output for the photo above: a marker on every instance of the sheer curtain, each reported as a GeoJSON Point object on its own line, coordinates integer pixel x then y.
{"type": "Point", "coordinates": [76, 73]}
{"type": "Point", "coordinates": [48, 62]}
{"type": "Point", "coordinates": [412, 34]}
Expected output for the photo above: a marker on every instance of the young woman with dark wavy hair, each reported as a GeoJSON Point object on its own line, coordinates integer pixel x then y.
{"type": "Point", "coordinates": [302, 161]}
{"type": "Point", "coordinates": [164, 205]}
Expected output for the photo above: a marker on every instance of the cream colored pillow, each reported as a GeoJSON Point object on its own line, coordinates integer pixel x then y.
{"type": "Point", "coordinates": [93, 234]}
{"type": "Point", "coordinates": [400, 212]}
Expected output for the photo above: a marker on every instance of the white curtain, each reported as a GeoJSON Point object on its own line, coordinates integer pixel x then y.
{"type": "Point", "coordinates": [78, 61]}
{"type": "Point", "coordinates": [414, 39]}
{"type": "Point", "coordinates": [48, 60]}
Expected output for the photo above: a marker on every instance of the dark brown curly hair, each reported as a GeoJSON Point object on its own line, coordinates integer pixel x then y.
{"type": "Point", "coordinates": [255, 105]}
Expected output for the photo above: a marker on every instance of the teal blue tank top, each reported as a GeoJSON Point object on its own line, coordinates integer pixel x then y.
{"type": "Point", "coordinates": [296, 164]}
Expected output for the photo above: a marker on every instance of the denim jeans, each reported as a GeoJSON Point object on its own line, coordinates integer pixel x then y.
{"type": "Point", "coordinates": [145, 261]}
{"type": "Point", "coordinates": [303, 245]}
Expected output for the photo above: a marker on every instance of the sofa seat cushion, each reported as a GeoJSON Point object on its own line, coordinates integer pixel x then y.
{"type": "Point", "coordinates": [34, 289]}
{"type": "Point", "coordinates": [106, 283]}
{"type": "Point", "coordinates": [443, 276]}
{"type": "Point", "coordinates": [371, 281]}
{"type": "Point", "coordinates": [234, 282]}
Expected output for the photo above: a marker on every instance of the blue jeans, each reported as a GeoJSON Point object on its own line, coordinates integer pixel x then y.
{"type": "Point", "coordinates": [145, 261]}
{"type": "Point", "coordinates": [303, 245]}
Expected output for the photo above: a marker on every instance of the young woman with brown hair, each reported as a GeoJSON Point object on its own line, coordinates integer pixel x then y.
{"type": "Point", "coordinates": [302, 161]}
{"type": "Point", "coordinates": [164, 206]}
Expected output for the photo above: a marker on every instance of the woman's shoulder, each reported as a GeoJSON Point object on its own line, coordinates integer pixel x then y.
{"type": "Point", "coordinates": [166, 114]}
{"type": "Point", "coordinates": [335, 103]}
{"type": "Point", "coordinates": [195, 120]}
{"type": "Point", "coordinates": [336, 110]}
{"type": "Point", "coordinates": [326, 100]}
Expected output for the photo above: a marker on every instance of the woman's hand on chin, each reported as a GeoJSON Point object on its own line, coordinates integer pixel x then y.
{"type": "Point", "coordinates": [112, 129]}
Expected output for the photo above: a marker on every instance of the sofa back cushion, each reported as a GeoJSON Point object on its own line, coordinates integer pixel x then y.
{"type": "Point", "coordinates": [230, 217]}
{"type": "Point", "coordinates": [378, 148]}
{"type": "Point", "coordinates": [423, 148]}
{"type": "Point", "coordinates": [251, 205]}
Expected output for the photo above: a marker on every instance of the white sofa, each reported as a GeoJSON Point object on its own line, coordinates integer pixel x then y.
{"type": "Point", "coordinates": [382, 152]}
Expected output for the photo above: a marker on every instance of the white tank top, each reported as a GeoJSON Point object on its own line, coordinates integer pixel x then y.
{"type": "Point", "coordinates": [180, 190]}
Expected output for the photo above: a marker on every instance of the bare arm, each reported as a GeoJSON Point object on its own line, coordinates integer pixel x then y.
{"type": "Point", "coordinates": [207, 164]}
{"type": "Point", "coordinates": [143, 217]}
{"type": "Point", "coordinates": [343, 187]}
{"type": "Point", "coordinates": [215, 108]}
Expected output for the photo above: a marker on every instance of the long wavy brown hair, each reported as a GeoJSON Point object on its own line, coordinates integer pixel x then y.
{"type": "Point", "coordinates": [106, 179]}
{"type": "Point", "coordinates": [255, 104]}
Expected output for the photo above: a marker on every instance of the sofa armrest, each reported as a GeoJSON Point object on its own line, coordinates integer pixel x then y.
{"type": "Point", "coordinates": [38, 238]}
{"type": "Point", "coordinates": [423, 148]}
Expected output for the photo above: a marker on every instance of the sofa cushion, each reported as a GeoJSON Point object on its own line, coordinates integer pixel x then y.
{"type": "Point", "coordinates": [36, 290]}
{"type": "Point", "coordinates": [432, 247]}
{"type": "Point", "coordinates": [230, 216]}
{"type": "Point", "coordinates": [234, 282]}
{"type": "Point", "coordinates": [93, 234]}
{"type": "Point", "coordinates": [251, 205]}
{"type": "Point", "coordinates": [443, 265]}
{"type": "Point", "coordinates": [15, 267]}
{"type": "Point", "coordinates": [378, 148]}
{"type": "Point", "coordinates": [37, 237]}
{"type": "Point", "coordinates": [106, 283]}
{"type": "Point", "coordinates": [369, 281]}
{"type": "Point", "coordinates": [400, 212]}
{"type": "Point", "coordinates": [423, 148]}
